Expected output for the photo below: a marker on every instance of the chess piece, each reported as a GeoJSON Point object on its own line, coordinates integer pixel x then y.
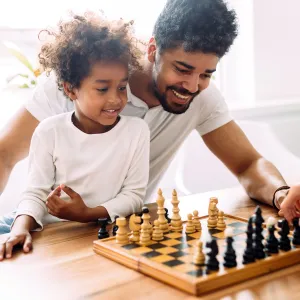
{"type": "Point", "coordinates": [121, 236]}
{"type": "Point", "coordinates": [221, 225]}
{"type": "Point", "coordinates": [212, 262]}
{"type": "Point", "coordinates": [167, 215]}
{"type": "Point", "coordinates": [249, 256]}
{"type": "Point", "coordinates": [146, 219]}
{"type": "Point", "coordinates": [163, 222]}
{"type": "Point", "coordinates": [176, 222]}
{"type": "Point", "coordinates": [215, 200]}
{"type": "Point", "coordinates": [284, 240]}
{"type": "Point", "coordinates": [145, 238]}
{"type": "Point", "coordinates": [212, 216]}
{"type": "Point", "coordinates": [199, 257]}
{"type": "Point", "coordinates": [229, 256]}
{"type": "Point", "coordinates": [296, 234]}
{"type": "Point", "coordinates": [190, 227]}
{"type": "Point", "coordinates": [258, 220]}
{"type": "Point", "coordinates": [115, 228]}
{"type": "Point", "coordinates": [196, 220]}
{"type": "Point", "coordinates": [271, 242]}
{"type": "Point", "coordinates": [135, 227]}
{"type": "Point", "coordinates": [157, 234]}
{"type": "Point", "coordinates": [103, 233]}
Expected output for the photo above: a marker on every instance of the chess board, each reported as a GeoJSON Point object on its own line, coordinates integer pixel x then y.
{"type": "Point", "coordinates": [171, 260]}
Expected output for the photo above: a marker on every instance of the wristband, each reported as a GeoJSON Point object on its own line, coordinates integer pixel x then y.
{"type": "Point", "coordinates": [284, 187]}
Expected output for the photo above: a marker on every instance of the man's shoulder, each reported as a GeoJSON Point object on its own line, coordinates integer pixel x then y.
{"type": "Point", "coordinates": [209, 95]}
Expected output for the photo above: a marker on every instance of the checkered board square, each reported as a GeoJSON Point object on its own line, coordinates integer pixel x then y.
{"type": "Point", "coordinates": [171, 260]}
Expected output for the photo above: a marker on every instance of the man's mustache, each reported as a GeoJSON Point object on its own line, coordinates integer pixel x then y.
{"type": "Point", "coordinates": [183, 92]}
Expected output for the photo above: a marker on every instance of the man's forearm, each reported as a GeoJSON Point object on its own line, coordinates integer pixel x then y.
{"type": "Point", "coordinates": [260, 180]}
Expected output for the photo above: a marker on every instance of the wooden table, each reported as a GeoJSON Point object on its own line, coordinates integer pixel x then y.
{"type": "Point", "coordinates": [64, 266]}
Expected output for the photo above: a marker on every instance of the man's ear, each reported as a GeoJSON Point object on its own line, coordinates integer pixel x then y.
{"type": "Point", "coordinates": [69, 91]}
{"type": "Point", "coordinates": [151, 51]}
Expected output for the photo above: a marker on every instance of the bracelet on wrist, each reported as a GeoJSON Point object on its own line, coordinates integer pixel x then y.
{"type": "Point", "coordinates": [284, 187]}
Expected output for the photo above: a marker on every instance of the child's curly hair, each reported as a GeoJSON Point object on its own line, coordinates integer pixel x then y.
{"type": "Point", "coordinates": [83, 40]}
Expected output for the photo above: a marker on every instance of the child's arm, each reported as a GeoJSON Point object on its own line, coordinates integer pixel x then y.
{"type": "Point", "coordinates": [41, 176]}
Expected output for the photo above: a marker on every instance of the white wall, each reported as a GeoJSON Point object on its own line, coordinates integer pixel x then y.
{"type": "Point", "coordinates": [276, 49]}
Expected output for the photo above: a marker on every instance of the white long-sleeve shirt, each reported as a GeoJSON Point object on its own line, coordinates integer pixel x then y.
{"type": "Point", "coordinates": [109, 169]}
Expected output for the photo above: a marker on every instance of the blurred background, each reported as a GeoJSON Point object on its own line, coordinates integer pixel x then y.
{"type": "Point", "coordinates": [258, 78]}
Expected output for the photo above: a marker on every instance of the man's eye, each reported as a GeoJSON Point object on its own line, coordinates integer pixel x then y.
{"type": "Point", "coordinates": [182, 71]}
{"type": "Point", "coordinates": [122, 88]}
{"type": "Point", "coordinates": [206, 76]}
{"type": "Point", "coordinates": [102, 90]}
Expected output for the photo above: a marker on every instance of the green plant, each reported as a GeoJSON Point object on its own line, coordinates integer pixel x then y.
{"type": "Point", "coordinates": [30, 79]}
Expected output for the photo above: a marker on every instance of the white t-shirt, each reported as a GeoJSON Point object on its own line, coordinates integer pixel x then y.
{"type": "Point", "coordinates": [168, 131]}
{"type": "Point", "coordinates": [109, 169]}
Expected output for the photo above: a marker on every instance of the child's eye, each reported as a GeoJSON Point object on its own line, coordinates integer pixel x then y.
{"type": "Point", "coordinates": [102, 90]}
{"type": "Point", "coordinates": [122, 88]}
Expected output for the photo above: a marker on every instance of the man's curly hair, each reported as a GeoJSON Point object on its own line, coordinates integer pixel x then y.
{"type": "Point", "coordinates": [207, 26]}
{"type": "Point", "coordinates": [84, 40]}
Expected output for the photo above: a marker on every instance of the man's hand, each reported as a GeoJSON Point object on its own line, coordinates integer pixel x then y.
{"type": "Point", "coordinates": [290, 206]}
{"type": "Point", "coordinates": [73, 209]}
{"type": "Point", "coordinates": [10, 240]}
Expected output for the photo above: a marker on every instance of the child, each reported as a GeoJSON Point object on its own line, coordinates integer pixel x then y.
{"type": "Point", "coordinates": [91, 163]}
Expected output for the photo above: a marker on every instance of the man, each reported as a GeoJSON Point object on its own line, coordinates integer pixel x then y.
{"type": "Point", "coordinates": [174, 95]}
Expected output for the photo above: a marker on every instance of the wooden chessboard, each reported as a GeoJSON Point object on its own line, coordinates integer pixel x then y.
{"type": "Point", "coordinates": [170, 260]}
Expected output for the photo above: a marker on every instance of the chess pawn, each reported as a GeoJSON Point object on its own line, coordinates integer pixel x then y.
{"type": "Point", "coordinates": [176, 222]}
{"type": "Point", "coordinates": [199, 257]}
{"type": "Point", "coordinates": [146, 220]}
{"type": "Point", "coordinates": [157, 234]}
{"type": "Point", "coordinates": [145, 238]}
{"type": "Point", "coordinates": [121, 235]}
{"type": "Point", "coordinates": [196, 220]}
{"type": "Point", "coordinates": [221, 225]}
{"type": "Point", "coordinates": [190, 227]}
{"type": "Point", "coordinates": [161, 212]}
{"type": "Point", "coordinates": [212, 217]}
{"type": "Point", "coordinates": [135, 227]}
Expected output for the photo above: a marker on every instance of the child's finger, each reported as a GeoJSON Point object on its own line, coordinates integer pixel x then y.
{"type": "Point", "coordinates": [10, 244]}
{"type": "Point", "coordinates": [27, 244]}
{"type": "Point", "coordinates": [69, 191]}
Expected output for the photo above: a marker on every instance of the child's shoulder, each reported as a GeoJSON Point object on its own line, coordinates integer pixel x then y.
{"type": "Point", "coordinates": [54, 122]}
{"type": "Point", "coordinates": [136, 124]}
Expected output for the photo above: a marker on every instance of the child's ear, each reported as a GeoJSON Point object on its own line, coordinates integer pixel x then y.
{"type": "Point", "coordinates": [151, 50]}
{"type": "Point", "coordinates": [69, 91]}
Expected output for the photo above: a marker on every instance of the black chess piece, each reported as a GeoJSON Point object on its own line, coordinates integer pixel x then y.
{"type": "Point", "coordinates": [103, 233]}
{"type": "Point", "coordinates": [212, 263]}
{"type": "Point", "coordinates": [116, 227]}
{"type": "Point", "coordinates": [167, 215]}
{"type": "Point", "coordinates": [258, 246]}
{"type": "Point", "coordinates": [284, 240]}
{"type": "Point", "coordinates": [296, 234]}
{"type": "Point", "coordinates": [248, 256]}
{"type": "Point", "coordinates": [229, 256]}
{"type": "Point", "coordinates": [271, 242]}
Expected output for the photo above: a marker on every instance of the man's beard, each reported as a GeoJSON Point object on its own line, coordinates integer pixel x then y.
{"type": "Point", "coordinates": [173, 108]}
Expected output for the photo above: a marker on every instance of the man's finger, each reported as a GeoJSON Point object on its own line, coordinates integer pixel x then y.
{"type": "Point", "coordinates": [55, 200]}
{"type": "Point", "coordinates": [68, 191]}
{"type": "Point", "coordinates": [27, 244]}
{"type": "Point", "coordinates": [10, 244]}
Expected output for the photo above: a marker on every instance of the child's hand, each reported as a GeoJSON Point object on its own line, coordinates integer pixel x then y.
{"type": "Point", "coordinates": [290, 206]}
{"type": "Point", "coordinates": [73, 209]}
{"type": "Point", "coordinates": [10, 240]}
